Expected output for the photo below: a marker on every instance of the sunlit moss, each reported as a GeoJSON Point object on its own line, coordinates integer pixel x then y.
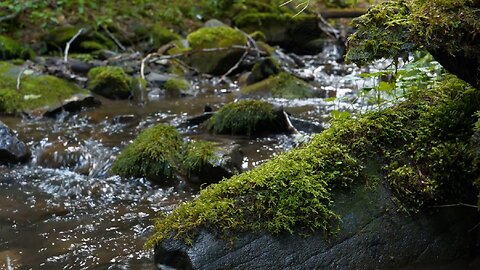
{"type": "Point", "coordinates": [109, 81]}
{"type": "Point", "coordinates": [198, 154]}
{"type": "Point", "coordinates": [282, 85]}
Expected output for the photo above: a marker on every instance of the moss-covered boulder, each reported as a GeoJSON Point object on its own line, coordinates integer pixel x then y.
{"type": "Point", "coordinates": [154, 154]}
{"type": "Point", "coordinates": [110, 82]}
{"type": "Point", "coordinates": [248, 117]}
{"type": "Point", "coordinates": [283, 85]}
{"type": "Point", "coordinates": [12, 49]}
{"type": "Point", "coordinates": [448, 29]}
{"type": "Point", "coordinates": [174, 87]}
{"type": "Point", "coordinates": [38, 94]}
{"type": "Point", "coordinates": [263, 69]}
{"type": "Point", "coordinates": [289, 32]}
{"type": "Point", "coordinates": [221, 40]}
{"type": "Point", "coordinates": [420, 152]}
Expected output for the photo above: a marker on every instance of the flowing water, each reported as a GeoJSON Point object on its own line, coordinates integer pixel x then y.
{"type": "Point", "coordinates": [64, 211]}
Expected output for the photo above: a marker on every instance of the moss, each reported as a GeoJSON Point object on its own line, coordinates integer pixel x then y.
{"type": "Point", "coordinates": [421, 147]}
{"type": "Point", "coordinates": [176, 85]}
{"type": "Point", "coordinates": [90, 45]}
{"type": "Point", "coordinates": [11, 49]}
{"type": "Point", "coordinates": [394, 28]}
{"type": "Point", "coordinates": [111, 82]}
{"type": "Point", "coordinates": [161, 35]}
{"type": "Point", "coordinates": [198, 154]}
{"type": "Point", "coordinates": [216, 37]}
{"type": "Point", "coordinates": [154, 154]}
{"type": "Point", "coordinates": [258, 36]}
{"type": "Point", "coordinates": [283, 85]}
{"type": "Point", "coordinates": [242, 118]}
{"type": "Point", "coordinates": [35, 91]}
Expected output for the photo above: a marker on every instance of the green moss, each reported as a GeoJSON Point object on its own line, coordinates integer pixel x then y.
{"type": "Point", "coordinates": [283, 85]}
{"type": "Point", "coordinates": [242, 118]}
{"type": "Point", "coordinates": [11, 49]}
{"type": "Point", "coordinates": [258, 36]}
{"type": "Point", "coordinates": [35, 91]}
{"type": "Point", "coordinates": [154, 154]}
{"type": "Point", "coordinates": [216, 37]}
{"type": "Point", "coordinates": [198, 154]}
{"type": "Point", "coordinates": [176, 85]}
{"type": "Point", "coordinates": [111, 82]}
{"type": "Point", "coordinates": [90, 45]}
{"type": "Point", "coordinates": [161, 35]}
{"type": "Point", "coordinates": [394, 28]}
{"type": "Point", "coordinates": [421, 148]}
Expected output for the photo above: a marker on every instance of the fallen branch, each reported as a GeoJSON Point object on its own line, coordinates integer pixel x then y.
{"type": "Point", "coordinates": [19, 77]}
{"type": "Point", "coordinates": [67, 47]}
{"type": "Point", "coordinates": [456, 204]}
{"type": "Point", "coordinates": [117, 42]}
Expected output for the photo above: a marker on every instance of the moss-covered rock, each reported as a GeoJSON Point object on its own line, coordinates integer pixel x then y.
{"type": "Point", "coordinates": [12, 49]}
{"type": "Point", "coordinates": [154, 154]}
{"type": "Point", "coordinates": [288, 31]}
{"type": "Point", "coordinates": [219, 61]}
{"type": "Point", "coordinates": [110, 82]}
{"type": "Point", "coordinates": [448, 29]}
{"type": "Point", "coordinates": [248, 117]}
{"type": "Point", "coordinates": [88, 41]}
{"type": "Point", "coordinates": [264, 69]}
{"type": "Point", "coordinates": [283, 85]}
{"type": "Point", "coordinates": [161, 35]}
{"type": "Point", "coordinates": [37, 93]}
{"type": "Point", "coordinates": [420, 150]}
{"type": "Point", "coordinates": [174, 86]}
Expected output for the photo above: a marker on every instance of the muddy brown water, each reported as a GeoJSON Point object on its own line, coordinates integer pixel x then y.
{"type": "Point", "coordinates": [77, 216]}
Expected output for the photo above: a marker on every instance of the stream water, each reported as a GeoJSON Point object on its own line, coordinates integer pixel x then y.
{"type": "Point", "coordinates": [63, 211]}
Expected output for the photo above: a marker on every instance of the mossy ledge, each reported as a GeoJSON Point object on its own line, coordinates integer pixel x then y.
{"type": "Point", "coordinates": [423, 147]}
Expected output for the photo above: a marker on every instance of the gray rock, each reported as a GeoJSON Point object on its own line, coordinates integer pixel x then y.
{"type": "Point", "coordinates": [158, 79]}
{"type": "Point", "coordinates": [12, 150]}
{"type": "Point", "coordinates": [372, 236]}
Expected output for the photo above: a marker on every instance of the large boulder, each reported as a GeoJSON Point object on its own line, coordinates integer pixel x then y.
{"type": "Point", "coordinates": [38, 94]}
{"type": "Point", "coordinates": [12, 150]}
{"type": "Point", "coordinates": [221, 41]}
{"type": "Point", "coordinates": [372, 236]}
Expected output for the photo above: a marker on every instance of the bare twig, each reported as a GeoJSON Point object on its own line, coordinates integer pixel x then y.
{"type": "Point", "coordinates": [142, 66]}
{"type": "Point", "coordinates": [67, 48]}
{"type": "Point", "coordinates": [119, 44]}
{"type": "Point", "coordinates": [456, 204]}
{"type": "Point", "coordinates": [19, 77]}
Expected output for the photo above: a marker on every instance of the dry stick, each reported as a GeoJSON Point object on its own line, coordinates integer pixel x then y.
{"type": "Point", "coordinates": [67, 48]}
{"type": "Point", "coordinates": [19, 77]}
{"type": "Point", "coordinates": [457, 204]}
{"type": "Point", "coordinates": [114, 39]}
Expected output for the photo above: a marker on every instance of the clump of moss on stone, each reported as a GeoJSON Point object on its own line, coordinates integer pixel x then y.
{"type": "Point", "coordinates": [111, 82]}
{"type": "Point", "coordinates": [176, 85]}
{"type": "Point", "coordinates": [154, 154]}
{"type": "Point", "coordinates": [215, 62]}
{"type": "Point", "coordinates": [198, 154]}
{"type": "Point", "coordinates": [242, 118]}
{"type": "Point", "coordinates": [11, 49]}
{"type": "Point", "coordinates": [283, 85]}
{"type": "Point", "coordinates": [421, 145]}
{"type": "Point", "coordinates": [36, 91]}
{"type": "Point", "coordinates": [161, 35]}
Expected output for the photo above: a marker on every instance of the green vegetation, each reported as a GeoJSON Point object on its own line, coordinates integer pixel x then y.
{"type": "Point", "coordinates": [422, 146]}
{"type": "Point", "coordinates": [111, 82]}
{"type": "Point", "coordinates": [246, 117]}
{"type": "Point", "coordinates": [283, 85]}
{"type": "Point", "coordinates": [198, 154]}
{"type": "Point", "coordinates": [161, 35]}
{"type": "Point", "coordinates": [154, 154]}
{"type": "Point", "coordinates": [176, 85]}
{"type": "Point", "coordinates": [12, 49]}
{"type": "Point", "coordinates": [35, 91]}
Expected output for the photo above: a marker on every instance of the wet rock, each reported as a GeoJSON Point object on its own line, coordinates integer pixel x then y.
{"type": "Point", "coordinates": [79, 66]}
{"type": "Point", "coordinates": [289, 32]}
{"type": "Point", "coordinates": [250, 118]}
{"type": "Point", "coordinates": [207, 162]}
{"type": "Point", "coordinates": [73, 104]}
{"type": "Point", "coordinates": [263, 69]}
{"type": "Point", "coordinates": [110, 82]}
{"type": "Point", "coordinates": [372, 236]}
{"type": "Point", "coordinates": [220, 40]}
{"type": "Point", "coordinates": [158, 79]}
{"type": "Point", "coordinates": [38, 94]}
{"type": "Point", "coordinates": [12, 150]}
{"type": "Point", "coordinates": [282, 85]}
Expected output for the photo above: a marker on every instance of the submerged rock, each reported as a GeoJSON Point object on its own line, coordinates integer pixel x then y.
{"type": "Point", "coordinates": [250, 118]}
{"type": "Point", "coordinates": [371, 236]}
{"type": "Point", "coordinates": [220, 40]}
{"type": "Point", "coordinates": [12, 150]}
